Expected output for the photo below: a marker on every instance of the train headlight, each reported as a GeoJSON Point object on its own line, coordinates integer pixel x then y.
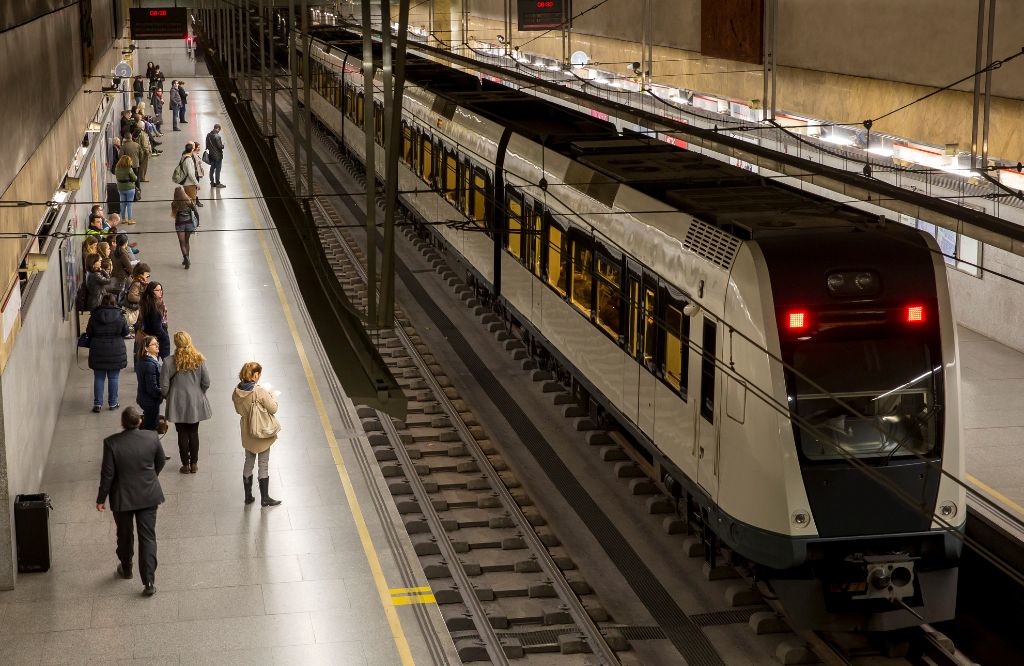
{"type": "Point", "coordinates": [853, 283]}
{"type": "Point", "coordinates": [801, 518]}
{"type": "Point", "coordinates": [947, 509]}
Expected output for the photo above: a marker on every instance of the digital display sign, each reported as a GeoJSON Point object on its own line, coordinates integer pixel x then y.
{"type": "Point", "coordinates": [543, 14]}
{"type": "Point", "coordinates": [159, 22]}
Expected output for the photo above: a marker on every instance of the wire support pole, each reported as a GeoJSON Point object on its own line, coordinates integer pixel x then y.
{"type": "Point", "coordinates": [293, 45]}
{"type": "Point", "coordinates": [263, 67]}
{"type": "Point", "coordinates": [307, 90]}
{"type": "Point", "coordinates": [247, 63]}
{"type": "Point", "coordinates": [371, 161]}
{"type": "Point", "coordinates": [769, 43]}
{"type": "Point", "coordinates": [988, 82]}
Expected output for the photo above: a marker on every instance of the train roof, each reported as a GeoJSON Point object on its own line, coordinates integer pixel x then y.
{"type": "Point", "coordinates": [735, 200]}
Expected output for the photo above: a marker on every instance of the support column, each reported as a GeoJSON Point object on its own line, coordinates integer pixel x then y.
{"type": "Point", "coordinates": [371, 168]}
{"type": "Point", "coordinates": [293, 43]}
{"type": "Point", "coordinates": [307, 101]}
{"type": "Point", "coordinates": [265, 122]}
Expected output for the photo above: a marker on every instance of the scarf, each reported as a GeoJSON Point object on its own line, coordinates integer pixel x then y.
{"type": "Point", "coordinates": [246, 386]}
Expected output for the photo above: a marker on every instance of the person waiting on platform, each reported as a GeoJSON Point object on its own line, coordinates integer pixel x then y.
{"type": "Point", "coordinates": [129, 476]}
{"type": "Point", "coordinates": [127, 181]}
{"type": "Point", "coordinates": [215, 150]}
{"type": "Point", "coordinates": [138, 89]}
{"type": "Point", "coordinates": [131, 148]}
{"type": "Point", "coordinates": [186, 217]}
{"type": "Point", "coordinates": [107, 329]}
{"type": "Point", "coordinates": [256, 406]}
{"type": "Point", "coordinates": [186, 173]}
{"type": "Point", "coordinates": [122, 257]}
{"type": "Point", "coordinates": [133, 300]}
{"type": "Point", "coordinates": [89, 247]}
{"type": "Point", "coordinates": [197, 159]}
{"type": "Point", "coordinates": [96, 282]}
{"type": "Point", "coordinates": [184, 102]}
{"type": "Point", "coordinates": [184, 381]}
{"type": "Point", "coordinates": [147, 372]}
{"type": "Point", "coordinates": [153, 316]}
{"type": "Point", "coordinates": [175, 105]}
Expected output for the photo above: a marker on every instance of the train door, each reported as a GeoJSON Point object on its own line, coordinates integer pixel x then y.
{"type": "Point", "coordinates": [647, 353]}
{"type": "Point", "coordinates": [630, 368]}
{"type": "Point", "coordinates": [706, 420]}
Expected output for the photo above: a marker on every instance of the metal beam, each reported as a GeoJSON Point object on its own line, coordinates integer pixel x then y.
{"type": "Point", "coordinates": [371, 168]}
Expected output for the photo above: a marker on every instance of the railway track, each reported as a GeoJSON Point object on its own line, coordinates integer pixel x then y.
{"type": "Point", "coordinates": [504, 585]}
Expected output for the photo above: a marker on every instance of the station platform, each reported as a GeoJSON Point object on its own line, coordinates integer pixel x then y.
{"type": "Point", "coordinates": [327, 577]}
{"type": "Point", "coordinates": [992, 379]}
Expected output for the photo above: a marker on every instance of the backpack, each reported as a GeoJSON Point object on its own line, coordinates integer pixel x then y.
{"type": "Point", "coordinates": [180, 175]}
{"type": "Point", "coordinates": [82, 297]}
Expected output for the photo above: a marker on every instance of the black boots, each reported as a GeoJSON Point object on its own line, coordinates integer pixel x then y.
{"type": "Point", "coordinates": [265, 498]}
{"type": "Point", "coordinates": [247, 482]}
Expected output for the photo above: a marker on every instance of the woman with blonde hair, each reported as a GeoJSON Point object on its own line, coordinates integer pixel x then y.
{"type": "Point", "coordinates": [257, 406]}
{"type": "Point", "coordinates": [127, 181]}
{"type": "Point", "coordinates": [184, 380]}
{"type": "Point", "coordinates": [185, 219]}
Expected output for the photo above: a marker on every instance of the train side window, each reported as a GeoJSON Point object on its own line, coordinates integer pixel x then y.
{"type": "Point", "coordinates": [581, 289]}
{"type": "Point", "coordinates": [426, 159]}
{"type": "Point", "coordinates": [378, 123]}
{"type": "Point", "coordinates": [451, 176]}
{"type": "Point", "coordinates": [406, 143]}
{"type": "Point", "coordinates": [556, 258]}
{"type": "Point", "coordinates": [359, 110]}
{"type": "Point", "coordinates": [648, 326]}
{"type": "Point", "coordinates": [707, 371]}
{"type": "Point", "coordinates": [608, 280]}
{"type": "Point", "coordinates": [514, 241]}
{"type": "Point", "coordinates": [480, 188]}
{"type": "Point", "coordinates": [465, 177]}
{"type": "Point", "coordinates": [677, 331]}
{"type": "Point", "coordinates": [634, 326]}
{"type": "Point", "coordinates": [537, 238]}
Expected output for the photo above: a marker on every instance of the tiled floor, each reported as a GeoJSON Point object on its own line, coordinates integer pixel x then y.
{"type": "Point", "coordinates": [236, 584]}
{"type": "Point", "coordinates": [992, 377]}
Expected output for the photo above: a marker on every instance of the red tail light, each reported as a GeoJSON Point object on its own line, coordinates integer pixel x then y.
{"type": "Point", "coordinates": [915, 314]}
{"type": "Point", "coordinates": [796, 320]}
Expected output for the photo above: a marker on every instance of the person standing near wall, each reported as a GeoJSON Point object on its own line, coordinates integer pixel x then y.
{"type": "Point", "coordinates": [107, 330]}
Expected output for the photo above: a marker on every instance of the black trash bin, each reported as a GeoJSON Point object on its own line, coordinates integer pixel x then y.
{"type": "Point", "coordinates": [32, 530]}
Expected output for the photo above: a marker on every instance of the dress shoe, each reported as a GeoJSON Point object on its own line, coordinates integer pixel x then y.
{"type": "Point", "coordinates": [183, 469]}
{"type": "Point", "coordinates": [125, 571]}
{"type": "Point", "coordinates": [193, 468]}
{"type": "Point", "coordinates": [176, 129]}
{"type": "Point", "coordinates": [183, 121]}
{"type": "Point", "coordinates": [220, 185]}
{"type": "Point", "coordinates": [96, 409]}
{"type": "Point", "coordinates": [199, 203]}
{"type": "Point", "coordinates": [149, 590]}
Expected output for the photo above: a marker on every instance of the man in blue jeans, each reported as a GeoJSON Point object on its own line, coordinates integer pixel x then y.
{"type": "Point", "coordinates": [215, 151]}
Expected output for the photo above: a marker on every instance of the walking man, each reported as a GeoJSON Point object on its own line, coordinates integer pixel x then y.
{"type": "Point", "coordinates": [132, 460]}
{"type": "Point", "coordinates": [215, 148]}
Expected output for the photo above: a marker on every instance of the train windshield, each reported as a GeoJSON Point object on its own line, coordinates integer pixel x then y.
{"type": "Point", "coordinates": [893, 388]}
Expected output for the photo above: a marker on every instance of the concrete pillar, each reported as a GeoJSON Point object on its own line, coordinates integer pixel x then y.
{"type": "Point", "coordinates": [446, 23]}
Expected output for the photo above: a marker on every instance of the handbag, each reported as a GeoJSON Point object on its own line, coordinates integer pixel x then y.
{"type": "Point", "coordinates": [195, 217]}
{"type": "Point", "coordinates": [262, 424]}
{"type": "Point", "coordinates": [84, 340]}
{"type": "Point", "coordinates": [206, 157]}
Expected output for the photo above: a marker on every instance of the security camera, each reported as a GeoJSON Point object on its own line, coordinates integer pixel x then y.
{"type": "Point", "coordinates": [501, 39]}
{"type": "Point", "coordinates": [635, 67]}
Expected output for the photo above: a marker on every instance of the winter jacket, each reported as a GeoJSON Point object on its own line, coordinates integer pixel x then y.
{"type": "Point", "coordinates": [147, 371]}
{"type": "Point", "coordinates": [126, 178]}
{"type": "Point", "coordinates": [147, 147]}
{"type": "Point", "coordinates": [185, 392]}
{"type": "Point", "coordinates": [133, 297]}
{"type": "Point", "coordinates": [215, 144]}
{"type": "Point", "coordinates": [97, 283]}
{"type": "Point", "coordinates": [107, 330]}
{"type": "Point", "coordinates": [175, 98]}
{"type": "Point", "coordinates": [243, 405]}
{"type": "Point", "coordinates": [122, 272]}
{"type": "Point", "coordinates": [132, 149]}
{"type": "Point", "coordinates": [138, 88]}
{"type": "Point", "coordinates": [151, 323]}
{"type": "Point", "coordinates": [158, 105]}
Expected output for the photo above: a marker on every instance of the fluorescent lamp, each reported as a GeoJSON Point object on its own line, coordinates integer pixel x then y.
{"type": "Point", "coordinates": [881, 151]}
{"type": "Point", "coordinates": [838, 140]}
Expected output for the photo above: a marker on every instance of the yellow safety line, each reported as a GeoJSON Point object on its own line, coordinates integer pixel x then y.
{"type": "Point", "coordinates": [417, 599]}
{"type": "Point", "coordinates": [996, 494]}
{"type": "Point", "coordinates": [409, 590]}
{"type": "Point", "coordinates": [353, 503]}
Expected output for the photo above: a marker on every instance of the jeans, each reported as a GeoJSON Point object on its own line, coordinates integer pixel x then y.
{"type": "Point", "coordinates": [111, 378]}
{"type": "Point", "coordinates": [149, 417]}
{"type": "Point", "coordinates": [215, 169]}
{"type": "Point", "coordinates": [138, 100]}
{"type": "Point", "coordinates": [264, 464]}
{"type": "Point", "coordinates": [181, 114]}
{"type": "Point", "coordinates": [188, 442]}
{"type": "Point", "coordinates": [174, 117]}
{"type": "Point", "coordinates": [146, 521]}
{"type": "Point", "coordinates": [127, 197]}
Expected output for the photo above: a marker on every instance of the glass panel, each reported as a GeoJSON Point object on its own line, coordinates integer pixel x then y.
{"type": "Point", "coordinates": [480, 200]}
{"type": "Point", "coordinates": [464, 189]}
{"type": "Point", "coordinates": [707, 372]}
{"type": "Point", "coordinates": [674, 346]}
{"type": "Point", "coordinates": [650, 329]}
{"type": "Point", "coordinates": [427, 163]}
{"type": "Point", "coordinates": [556, 264]}
{"type": "Point", "coordinates": [947, 244]}
{"type": "Point", "coordinates": [890, 382]}
{"type": "Point", "coordinates": [451, 176]}
{"type": "Point", "coordinates": [582, 279]}
{"type": "Point", "coordinates": [406, 144]}
{"type": "Point", "coordinates": [515, 228]}
{"type": "Point", "coordinates": [609, 297]}
{"type": "Point", "coordinates": [538, 241]}
{"type": "Point", "coordinates": [970, 250]}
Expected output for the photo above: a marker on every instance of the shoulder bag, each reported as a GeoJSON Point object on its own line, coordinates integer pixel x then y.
{"type": "Point", "coordinates": [262, 424]}
{"type": "Point", "coordinates": [206, 157]}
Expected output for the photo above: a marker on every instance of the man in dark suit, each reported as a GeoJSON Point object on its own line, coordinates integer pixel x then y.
{"type": "Point", "coordinates": [132, 460]}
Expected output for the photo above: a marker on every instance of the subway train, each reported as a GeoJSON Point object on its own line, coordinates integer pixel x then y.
{"type": "Point", "coordinates": [783, 365]}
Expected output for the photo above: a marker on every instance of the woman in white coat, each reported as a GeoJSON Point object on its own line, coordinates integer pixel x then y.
{"type": "Point", "coordinates": [248, 397]}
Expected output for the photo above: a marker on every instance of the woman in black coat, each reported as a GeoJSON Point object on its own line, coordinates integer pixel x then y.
{"type": "Point", "coordinates": [107, 356]}
{"type": "Point", "coordinates": [153, 317]}
{"type": "Point", "coordinates": [147, 371]}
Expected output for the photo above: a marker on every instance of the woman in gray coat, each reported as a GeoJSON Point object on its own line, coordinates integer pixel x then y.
{"type": "Point", "coordinates": [184, 380]}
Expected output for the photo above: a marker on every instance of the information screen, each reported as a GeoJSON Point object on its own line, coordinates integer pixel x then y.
{"type": "Point", "coordinates": [159, 22]}
{"type": "Point", "coordinates": [543, 14]}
